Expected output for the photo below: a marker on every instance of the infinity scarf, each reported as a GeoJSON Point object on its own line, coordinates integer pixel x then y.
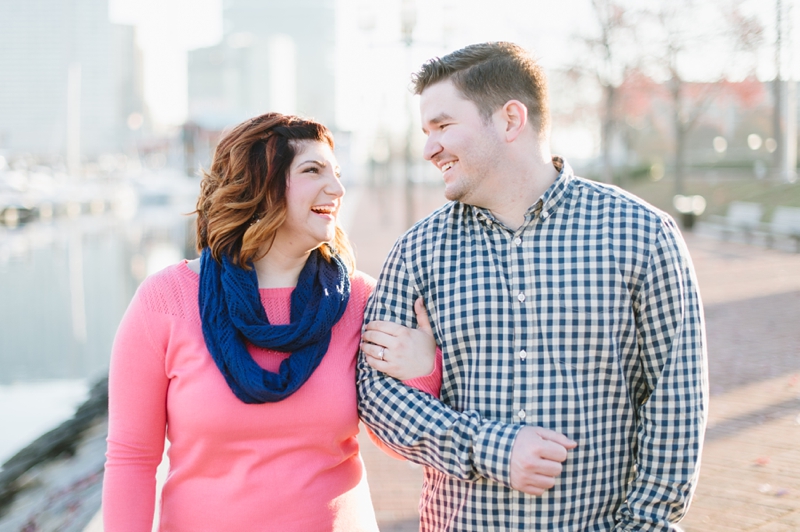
{"type": "Point", "coordinates": [231, 312]}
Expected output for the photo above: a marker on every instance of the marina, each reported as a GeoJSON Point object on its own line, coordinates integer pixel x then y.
{"type": "Point", "coordinates": [70, 260]}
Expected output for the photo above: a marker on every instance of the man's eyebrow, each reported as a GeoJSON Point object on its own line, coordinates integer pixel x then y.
{"type": "Point", "coordinates": [438, 119]}
{"type": "Point", "coordinates": [441, 117]}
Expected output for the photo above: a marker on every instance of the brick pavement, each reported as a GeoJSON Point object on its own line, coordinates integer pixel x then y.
{"type": "Point", "coordinates": [750, 479]}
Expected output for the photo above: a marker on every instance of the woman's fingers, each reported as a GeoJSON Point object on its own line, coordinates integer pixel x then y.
{"type": "Point", "coordinates": [386, 327]}
{"type": "Point", "coordinates": [408, 353]}
{"type": "Point", "coordinates": [379, 338]}
{"type": "Point", "coordinates": [394, 329]}
{"type": "Point", "coordinates": [374, 351]}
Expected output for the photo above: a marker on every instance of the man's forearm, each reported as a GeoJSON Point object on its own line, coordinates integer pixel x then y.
{"type": "Point", "coordinates": [426, 431]}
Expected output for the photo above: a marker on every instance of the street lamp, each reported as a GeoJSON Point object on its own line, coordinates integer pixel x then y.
{"type": "Point", "coordinates": [408, 19]}
{"type": "Point", "coordinates": [689, 207]}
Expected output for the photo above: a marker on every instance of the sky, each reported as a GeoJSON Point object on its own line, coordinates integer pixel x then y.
{"type": "Point", "coordinates": [368, 33]}
{"type": "Point", "coordinates": [167, 29]}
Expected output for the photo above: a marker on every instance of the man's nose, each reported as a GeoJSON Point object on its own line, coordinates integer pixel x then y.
{"type": "Point", "coordinates": [432, 147]}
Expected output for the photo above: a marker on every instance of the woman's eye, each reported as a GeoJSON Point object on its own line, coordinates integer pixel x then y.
{"type": "Point", "coordinates": [312, 169]}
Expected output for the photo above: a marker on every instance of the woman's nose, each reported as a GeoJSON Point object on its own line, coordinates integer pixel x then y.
{"type": "Point", "coordinates": [335, 187]}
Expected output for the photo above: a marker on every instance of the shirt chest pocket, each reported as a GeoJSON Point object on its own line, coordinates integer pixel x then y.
{"type": "Point", "coordinates": [585, 328]}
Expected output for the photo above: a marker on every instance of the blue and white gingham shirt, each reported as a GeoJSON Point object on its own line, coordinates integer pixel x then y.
{"type": "Point", "coordinates": [586, 320]}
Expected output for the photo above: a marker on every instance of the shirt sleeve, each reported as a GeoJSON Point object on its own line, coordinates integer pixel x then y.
{"type": "Point", "coordinates": [137, 420]}
{"type": "Point", "coordinates": [430, 384]}
{"type": "Point", "coordinates": [672, 414]}
{"type": "Point", "coordinates": [414, 424]}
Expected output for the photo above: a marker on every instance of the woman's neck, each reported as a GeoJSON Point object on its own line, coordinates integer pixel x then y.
{"type": "Point", "coordinates": [278, 269]}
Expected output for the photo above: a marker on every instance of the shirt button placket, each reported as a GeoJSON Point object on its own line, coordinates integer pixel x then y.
{"type": "Point", "coordinates": [522, 354]}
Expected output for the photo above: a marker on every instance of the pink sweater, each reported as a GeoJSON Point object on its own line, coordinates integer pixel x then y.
{"type": "Point", "coordinates": [290, 465]}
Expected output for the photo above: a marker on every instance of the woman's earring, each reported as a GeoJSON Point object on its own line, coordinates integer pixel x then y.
{"type": "Point", "coordinates": [254, 220]}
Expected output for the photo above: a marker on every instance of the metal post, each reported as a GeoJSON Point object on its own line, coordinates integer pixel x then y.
{"type": "Point", "coordinates": [408, 184]}
{"type": "Point", "coordinates": [777, 111]}
{"type": "Point", "coordinates": [74, 120]}
{"type": "Point", "coordinates": [789, 152]}
{"type": "Point", "coordinates": [408, 16]}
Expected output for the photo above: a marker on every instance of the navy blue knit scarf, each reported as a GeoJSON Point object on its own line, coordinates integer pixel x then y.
{"type": "Point", "coordinates": [231, 312]}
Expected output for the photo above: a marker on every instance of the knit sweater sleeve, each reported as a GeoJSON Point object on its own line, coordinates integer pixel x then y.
{"type": "Point", "coordinates": [137, 415]}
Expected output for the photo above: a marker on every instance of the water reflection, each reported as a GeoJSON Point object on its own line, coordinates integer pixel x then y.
{"type": "Point", "coordinates": [65, 282]}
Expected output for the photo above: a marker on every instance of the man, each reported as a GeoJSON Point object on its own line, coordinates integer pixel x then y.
{"type": "Point", "coordinates": [567, 313]}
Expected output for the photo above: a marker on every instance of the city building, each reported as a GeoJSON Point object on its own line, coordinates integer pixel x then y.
{"type": "Point", "coordinates": [274, 56]}
{"type": "Point", "coordinates": [70, 80]}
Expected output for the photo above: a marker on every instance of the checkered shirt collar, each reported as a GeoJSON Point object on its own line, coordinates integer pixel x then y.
{"type": "Point", "coordinates": [547, 204]}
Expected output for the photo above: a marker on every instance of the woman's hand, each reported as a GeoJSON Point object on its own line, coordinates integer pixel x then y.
{"type": "Point", "coordinates": [398, 351]}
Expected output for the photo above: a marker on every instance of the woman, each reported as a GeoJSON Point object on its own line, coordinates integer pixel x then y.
{"type": "Point", "coordinates": [262, 431]}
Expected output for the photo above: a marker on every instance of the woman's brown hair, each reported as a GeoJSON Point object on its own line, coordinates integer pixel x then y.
{"type": "Point", "coordinates": [242, 200]}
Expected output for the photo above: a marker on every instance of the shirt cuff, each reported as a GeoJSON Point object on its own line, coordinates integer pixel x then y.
{"type": "Point", "coordinates": [492, 451]}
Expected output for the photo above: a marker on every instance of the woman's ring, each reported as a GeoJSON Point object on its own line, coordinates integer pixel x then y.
{"type": "Point", "coordinates": [380, 353]}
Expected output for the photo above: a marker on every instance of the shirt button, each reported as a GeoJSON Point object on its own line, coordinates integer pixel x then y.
{"type": "Point", "coordinates": [521, 297]}
{"type": "Point", "coordinates": [521, 414]}
{"type": "Point", "coordinates": [518, 241]}
{"type": "Point", "coordinates": [523, 355]}
{"type": "Point", "coordinates": [544, 215]}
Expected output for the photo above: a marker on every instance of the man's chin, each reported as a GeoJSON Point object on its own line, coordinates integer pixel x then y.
{"type": "Point", "coordinates": [453, 193]}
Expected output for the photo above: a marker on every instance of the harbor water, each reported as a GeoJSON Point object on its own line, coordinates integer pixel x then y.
{"type": "Point", "coordinates": [65, 282]}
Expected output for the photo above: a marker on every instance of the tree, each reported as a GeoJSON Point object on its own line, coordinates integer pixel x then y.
{"type": "Point", "coordinates": [606, 60]}
{"type": "Point", "coordinates": [680, 34]}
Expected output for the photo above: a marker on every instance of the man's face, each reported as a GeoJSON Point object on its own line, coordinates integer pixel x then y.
{"type": "Point", "coordinates": [460, 143]}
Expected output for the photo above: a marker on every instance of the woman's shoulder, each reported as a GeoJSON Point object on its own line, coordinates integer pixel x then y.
{"type": "Point", "coordinates": [170, 290]}
{"type": "Point", "coordinates": [175, 274]}
{"type": "Point", "coordinates": [362, 283]}
{"type": "Point", "coordinates": [361, 287]}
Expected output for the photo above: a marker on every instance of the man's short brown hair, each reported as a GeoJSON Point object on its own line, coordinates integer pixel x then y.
{"type": "Point", "coordinates": [490, 74]}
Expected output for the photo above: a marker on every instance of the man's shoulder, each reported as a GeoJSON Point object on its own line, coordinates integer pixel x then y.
{"type": "Point", "coordinates": [430, 228]}
{"type": "Point", "coordinates": [617, 201]}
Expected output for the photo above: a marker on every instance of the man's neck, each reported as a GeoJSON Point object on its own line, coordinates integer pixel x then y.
{"type": "Point", "coordinates": [523, 185]}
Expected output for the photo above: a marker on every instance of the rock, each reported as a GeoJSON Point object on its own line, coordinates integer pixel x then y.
{"type": "Point", "coordinates": [55, 482]}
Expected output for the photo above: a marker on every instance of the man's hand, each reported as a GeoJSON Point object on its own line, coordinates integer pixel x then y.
{"type": "Point", "coordinates": [398, 351]}
{"type": "Point", "coordinates": [536, 459]}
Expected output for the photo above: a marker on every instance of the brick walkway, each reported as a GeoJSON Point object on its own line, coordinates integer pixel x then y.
{"type": "Point", "coordinates": [750, 480]}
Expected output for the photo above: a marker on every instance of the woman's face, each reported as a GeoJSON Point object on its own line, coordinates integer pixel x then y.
{"type": "Point", "coordinates": [313, 195]}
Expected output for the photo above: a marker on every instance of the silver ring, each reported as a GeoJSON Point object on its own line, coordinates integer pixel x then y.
{"type": "Point", "coordinates": [380, 353]}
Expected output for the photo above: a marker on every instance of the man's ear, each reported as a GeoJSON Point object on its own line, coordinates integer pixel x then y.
{"type": "Point", "coordinates": [514, 115]}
